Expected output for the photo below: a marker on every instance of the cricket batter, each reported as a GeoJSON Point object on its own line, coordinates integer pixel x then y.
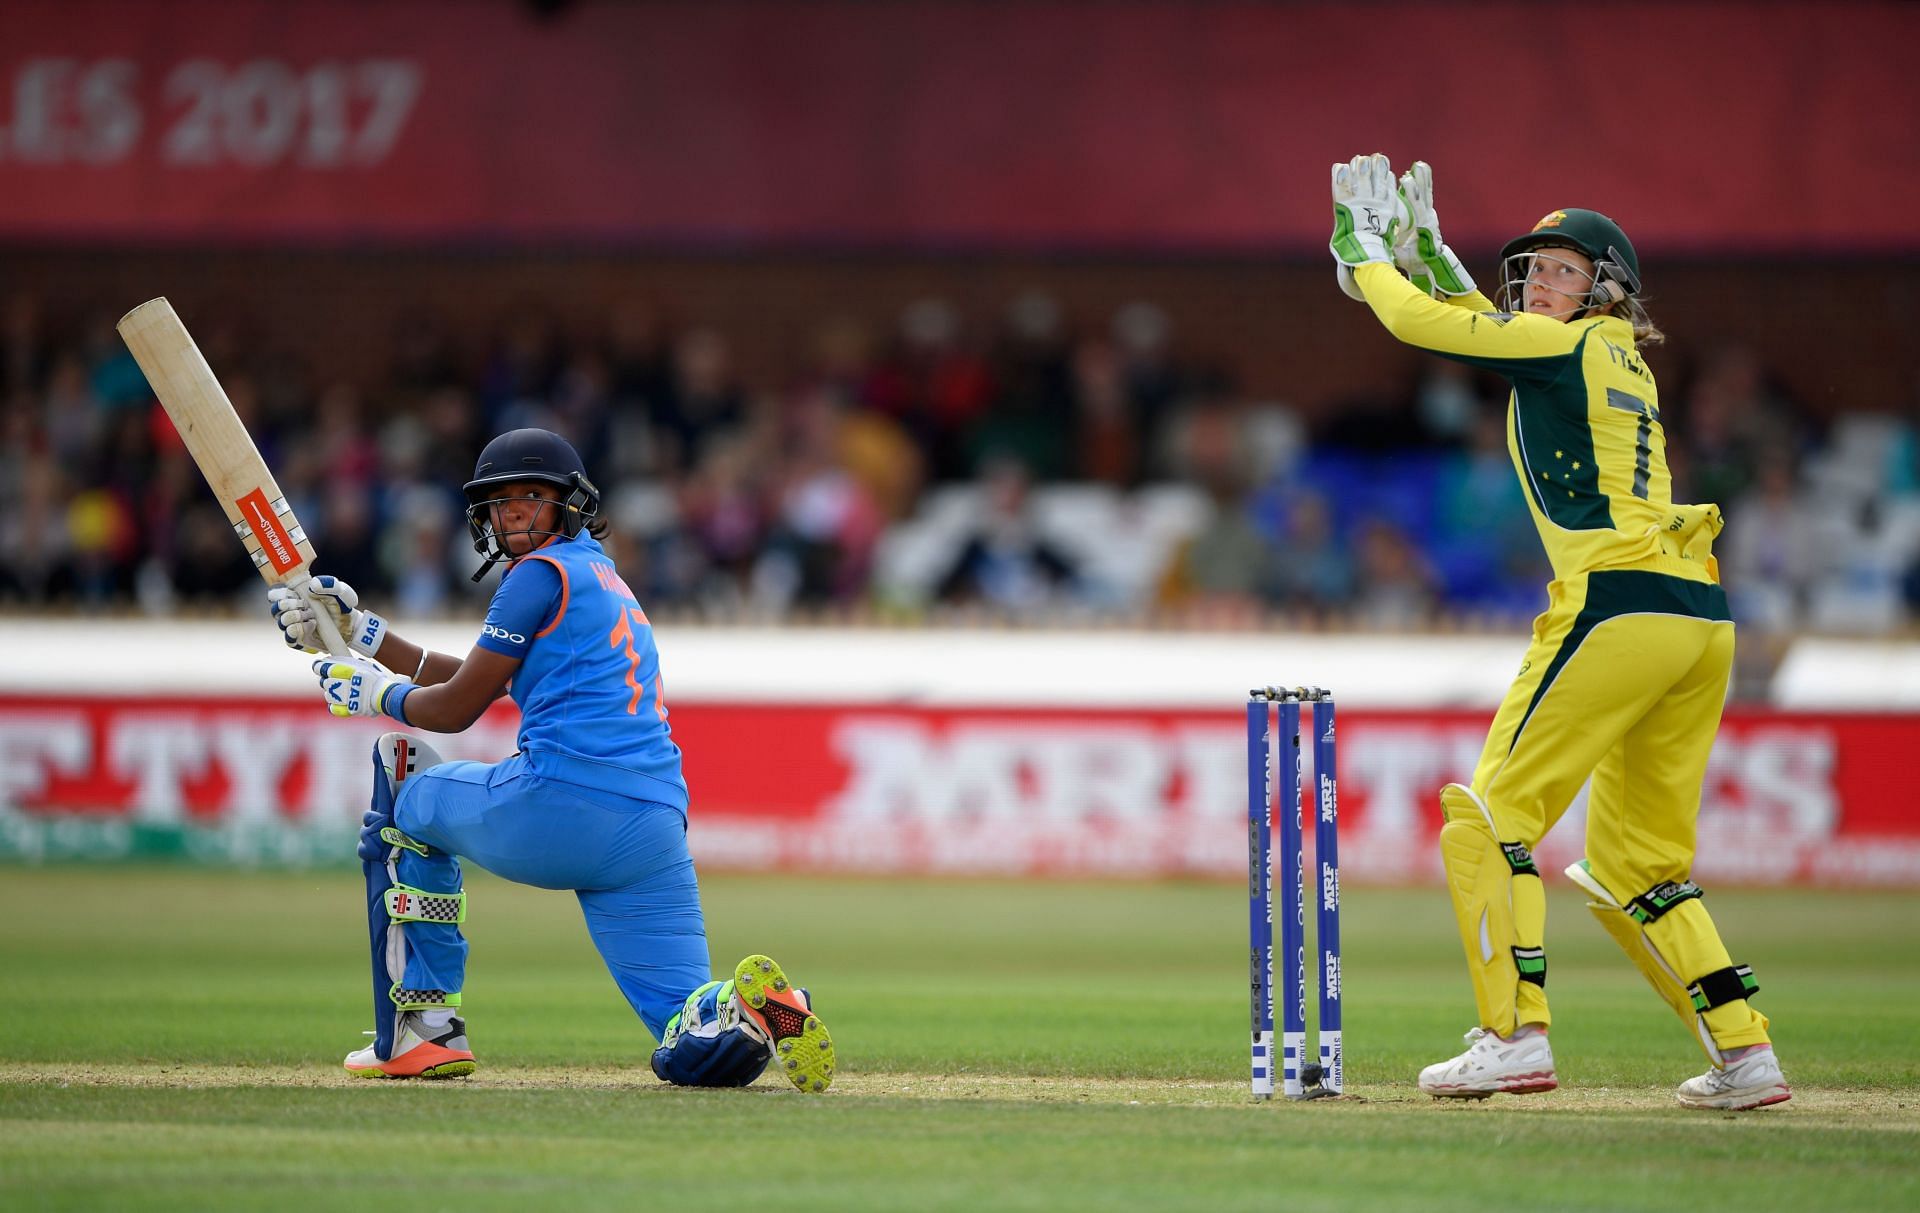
{"type": "Point", "coordinates": [594, 801]}
{"type": "Point", "coordinates": [1628, 668]}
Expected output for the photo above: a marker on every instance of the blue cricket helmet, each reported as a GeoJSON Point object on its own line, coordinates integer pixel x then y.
{"type": "Point", "coordinates": [522, 455]}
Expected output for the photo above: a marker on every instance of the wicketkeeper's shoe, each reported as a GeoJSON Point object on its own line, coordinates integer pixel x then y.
{"type": "Point", "coordinates": [801, 1047]}
{"type": "Point", "coordinates": [1494, 1064]}
{"type": "Point", "coordinates": [1754, 1081]}
{"type": "Point", "coordinates": [418, 1052]}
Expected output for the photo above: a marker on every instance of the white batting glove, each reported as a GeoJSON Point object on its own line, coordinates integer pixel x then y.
{"type": "Point", "coordinates": [1421, 251]}
{"type": "Point", "coordinates": [354, 687]}
{"type": "Point", "coordinates": [295, 605]}
{"type": "Point", "coordinates": [1367, 211]}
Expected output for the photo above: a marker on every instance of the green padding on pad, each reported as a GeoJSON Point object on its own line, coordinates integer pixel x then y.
{"type": "Point", "coordinates": [394, 838]}
{"type": "Point", "coordinates": [1723, 986]}
{"type": "Point", "coordinates": [1650, 905]}
{"type": "Point", "coordinates": [421, 1000]}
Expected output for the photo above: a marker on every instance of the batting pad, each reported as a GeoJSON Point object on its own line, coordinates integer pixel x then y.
{"type": "Point", "coordinates": [414, 904]}
{"type": "Point", "coordinates": [1500, 906]}
{"type": "Point", "coordinates": [1680, 936]}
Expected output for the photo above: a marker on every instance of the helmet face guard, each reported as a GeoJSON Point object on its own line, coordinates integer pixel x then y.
{"type": "Point", "coordinates": [579, 502]}
{"type": "Point", "coordinates": [517, 457]}
{"type": "Point", "coordinates": [1517, 268]}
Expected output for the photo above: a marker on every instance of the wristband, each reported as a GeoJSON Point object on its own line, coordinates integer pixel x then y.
{"type": "Point", "coordinates": [368, 631]}
{"type": "Point", "coordinates": [393, 702]}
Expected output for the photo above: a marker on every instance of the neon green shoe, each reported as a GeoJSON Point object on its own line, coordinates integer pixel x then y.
{"type": "Point", "coordinates": [801, 1047]}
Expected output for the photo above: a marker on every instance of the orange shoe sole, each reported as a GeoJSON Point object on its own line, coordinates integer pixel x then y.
{"type": "Point", "coordinates": [425, 1060]}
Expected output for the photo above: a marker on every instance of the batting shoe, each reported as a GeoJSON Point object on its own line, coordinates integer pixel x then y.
{"type": "Point", "coordinates": [784, 1015]}
{"type": "Point", "coordinates": [418, 1052]}
{"type": "Point", "coordinates": [1754, 1081]}
{"type": "Point", "coordinates": [1493, 1064]}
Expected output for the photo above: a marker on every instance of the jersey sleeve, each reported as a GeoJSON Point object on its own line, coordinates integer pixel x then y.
{"type": "Point", "coordinates": [527, 600]}
{"type": "Point", "coordinates": [1519, 346]}
{"type": "Point", "coordinates": [1473, 301]}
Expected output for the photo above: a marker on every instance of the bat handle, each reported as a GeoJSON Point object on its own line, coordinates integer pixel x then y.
{"type": "Point", "coordinates": [323, 623]}
{"type": "Point", "coordinates": [336, 643]}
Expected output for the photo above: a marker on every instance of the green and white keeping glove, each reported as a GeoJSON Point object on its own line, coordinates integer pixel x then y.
{"type": "Point", "coordinates": [1368, 214]}
{"type": "Point", "coordinates": [295, 605]}
{"type": "Point", "coordinates": [354, 686]}
{"type": "Point", "coordinates": [1420, 251]}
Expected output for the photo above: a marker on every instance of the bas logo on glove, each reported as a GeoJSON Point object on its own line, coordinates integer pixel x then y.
{"type": "Point", "coordinates": [354, 687]}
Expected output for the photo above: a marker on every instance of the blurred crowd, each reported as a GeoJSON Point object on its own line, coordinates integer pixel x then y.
{"type": "Point", "coordinates": [937, 465]}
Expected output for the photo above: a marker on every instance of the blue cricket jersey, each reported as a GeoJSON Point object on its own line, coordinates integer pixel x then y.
{"type": "Point", "coordinates": [588, 685]}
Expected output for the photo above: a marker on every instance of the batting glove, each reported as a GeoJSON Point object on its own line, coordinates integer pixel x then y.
{"type": "Point", "coordinates": [1367, 211]}
{"type": "Point", "coordinates": [295, 605]}
{"type": "Point", "coordinates": [354, 687]}
{"type": "Point", "coordinates": [1420, 251]}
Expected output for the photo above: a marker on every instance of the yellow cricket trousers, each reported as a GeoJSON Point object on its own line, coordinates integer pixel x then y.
{"type": "Point", "coordinates": [1624, 681]}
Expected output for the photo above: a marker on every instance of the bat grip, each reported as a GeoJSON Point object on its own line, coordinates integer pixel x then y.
{"type": "Point", "coordinates": [323, 624]}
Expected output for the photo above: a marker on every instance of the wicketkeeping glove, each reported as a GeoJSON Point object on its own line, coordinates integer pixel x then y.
{"type": "Point", "coordinates": [355, 687]}
{"type": "Point", "coordinates": [294, 606]}
{"type": "Point", "coordinates": [1367, 211]}
{"type": "Point", "coordinates": [1421, 252]}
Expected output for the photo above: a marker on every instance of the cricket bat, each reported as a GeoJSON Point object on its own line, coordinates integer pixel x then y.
{"type": "Point", "coordinates": [221, 446]}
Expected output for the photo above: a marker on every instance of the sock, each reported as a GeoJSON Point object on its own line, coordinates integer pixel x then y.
{"type": "Point", "coordinates": [437, 1018]}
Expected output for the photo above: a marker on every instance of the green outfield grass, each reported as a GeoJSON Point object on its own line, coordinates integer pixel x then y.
{"type": "Point", "coordinates": [169, 1039]}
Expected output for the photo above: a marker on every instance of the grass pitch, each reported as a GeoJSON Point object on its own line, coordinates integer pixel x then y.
{"type": "Point", "coordinates": [169, 1039]}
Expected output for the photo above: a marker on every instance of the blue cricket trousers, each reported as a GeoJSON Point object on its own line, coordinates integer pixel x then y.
{"type": "Point", "coordinates": [625, 859]}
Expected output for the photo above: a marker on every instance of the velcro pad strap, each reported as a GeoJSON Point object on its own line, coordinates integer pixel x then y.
{"type": "Point", "coordinates": [1520, 859]}
{"type": "Point", "coordinates": [421, 1000]}
{"type": "Point", "coordinates": [1723, 986]}
{"type": "Point", "coordinates": [1650, 905]}
{"type": "Point", "coordinates": [394, 838]}
{"type": "Point", "coordinates": [408, 904]}
{"type": "Point", "coordinates": [1532, 963]}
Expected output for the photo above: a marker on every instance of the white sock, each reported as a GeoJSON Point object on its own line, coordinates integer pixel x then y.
{"type": "Point", "coordinates": [437, 1018]}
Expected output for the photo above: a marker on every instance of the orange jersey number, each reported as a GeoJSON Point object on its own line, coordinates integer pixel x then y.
{"type": "Point", "coordinates": [623, 634]}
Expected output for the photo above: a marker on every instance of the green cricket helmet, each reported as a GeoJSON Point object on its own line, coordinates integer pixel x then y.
{"type": "Point", "coordinates": [1616, 267]}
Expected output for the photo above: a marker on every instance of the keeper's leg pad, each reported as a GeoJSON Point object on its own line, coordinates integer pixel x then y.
{"type": "Point", "coordinates": [414, 903]}
{"type": "Point", "coordinates": [1666, 931]}
{"type": "Point", "coordinates": [709, 1043]}
{"type": "Point", "coordinates": [1500, 906]}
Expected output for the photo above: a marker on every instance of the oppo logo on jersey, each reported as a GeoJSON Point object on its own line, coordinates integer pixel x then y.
{"type": "Point", "coordinates": [502, 634]}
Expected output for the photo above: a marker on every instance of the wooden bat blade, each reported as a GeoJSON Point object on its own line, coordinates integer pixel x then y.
{"type": "Point", "coordinates": [221, 446]}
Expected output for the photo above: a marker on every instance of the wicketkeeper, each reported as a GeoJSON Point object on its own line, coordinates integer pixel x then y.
{"type": "Point", "coordinates": [1628, 669]}
{"type": "Point", "coordinates": [594, 801]}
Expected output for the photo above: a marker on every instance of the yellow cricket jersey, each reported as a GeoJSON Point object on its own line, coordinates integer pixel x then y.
{"type": "Point", "coordinates": [1583, 428]}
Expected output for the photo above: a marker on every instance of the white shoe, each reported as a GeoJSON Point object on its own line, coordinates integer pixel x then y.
{"type": "Point", "coordinates": [1752, 1082]}
{"type": "Point", "coordinates": [1493, 1064]}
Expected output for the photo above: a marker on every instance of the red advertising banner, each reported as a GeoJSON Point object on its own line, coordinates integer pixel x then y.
{"type": "Point", "coordinates": [1789, 797]}
{"type": "Point", "coordinates": [1722, 126]}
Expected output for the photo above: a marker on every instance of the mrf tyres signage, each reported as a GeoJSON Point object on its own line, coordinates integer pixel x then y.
{"type": "Point", "coordinates": [1789, 797]}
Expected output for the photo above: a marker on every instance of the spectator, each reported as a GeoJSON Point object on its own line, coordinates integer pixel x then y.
{"type": "Point", "coordinates": [1107, 433]}
{"type": "Point", "coordinates": [1772, 549]}
{"type": "Point", "coordinates": [1225, 572]}
{"type": "Point", "coordinates": [1006, 564]}
{"type": "Point", "coordinates": [1395, 587]}
{"type": "Point", "coordinates": [703, 403]}
{"type": "Point", "coordinates": [1313, 568]}
{"type": "Point", "coordinates": [934, 387]}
